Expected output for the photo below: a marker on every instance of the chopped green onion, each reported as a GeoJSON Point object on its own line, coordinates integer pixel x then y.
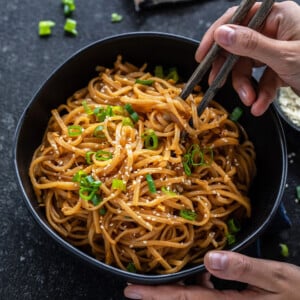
{"type": "Point", "coordinates": [133, 115]}
{"type": "Point", "coordinates": [45, 27]}
{"type": "Point", "coordinates": [284, 250]}
{"type": "Point", "coordinates": [70, 3]}
{"type": "Point", "coordinates": [127, 122]}
{"type": "Point", "coordinates": [233, 226]}
{"type": "Point", "coordinates": [236, 114]}
{"type": "Point", "coordinates": [98, 132]}
{"type": "Point", "coordinates": [91, 182]}
{"type": "Point", "coordinates": [78, 176]}
{"type": "Point", "coordinates": [115, 17]}
{"type": "Point", "coordinates": [131, 267]}
{"type": "Point", "coordinates": [230, 238]}
{"type": "Point", "coordinates": [186, 163]}
{"type": "Point", "coordinates": [167, 191]}
{"type": "Point", "coordinates": [67, 10]}
{"type": "Point", "coordinates": [86, 193]}
{"type": "Point", "coordinates": [118, 184]}
{"type": "Point", "coordinates": [69, 6]}
{"type": "Point", "coordinates": [101, 113]}
{"type": "Point", "coordinates": [85, 180]}
{"type": "Point", "coordinates": [129, 108]}
{"type": "Point", "coordinates": [196, 155]}
{"type": "Point", "coordinates": [88, 186]}
{"type": "Point", "coordinates": [96, 199]}
{"type": "Point", "coordinates": [173, 74]}
{"type": "Point", "coordinates": [188, 214]}
{"type": "Point", "coordinates": [118, 110]}
{"type": "Point", "coordinates": [103, 155]}
{"type": "Point", "coordinates": [144, 82]}
{"type": "Point", "coordinates": [74, 130]}
{"type": "Point", "coordinates": [88, 156]}
{"type": "Point", "coordinates": [102, 211]}
{"type": "Point", "coordinates": [109, 111]}
{"type": "Point", "coordinates": [151, 139]}
{"type": "Point", "coordinates": [298, 192]}
{"type": "Point", "coordinates": [70, 26]}
{"type": "Point", "coordinates": [159, 71]}
{"type": "Point", "coordinates": [151, 183]}
{"type": "Point", "coordinates": [87, 109]}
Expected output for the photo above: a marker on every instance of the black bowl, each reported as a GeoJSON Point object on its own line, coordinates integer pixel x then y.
{"type": "Point", "coordinates": [154, 48]}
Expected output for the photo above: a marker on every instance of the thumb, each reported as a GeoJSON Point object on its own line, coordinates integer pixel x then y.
{"type": "Point", "coordinates": [244, 41]}
{"type": "Point", "coordinates": [265, 274]}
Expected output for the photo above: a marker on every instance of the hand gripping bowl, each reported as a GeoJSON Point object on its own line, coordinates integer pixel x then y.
{"type": "Point", "coordinates": [155, 49]}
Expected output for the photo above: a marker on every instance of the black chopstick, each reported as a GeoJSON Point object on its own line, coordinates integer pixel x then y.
{"type": "Point", "coordinates": [254, 23]}
{"type": "Point", "coordinates": [204, 65]}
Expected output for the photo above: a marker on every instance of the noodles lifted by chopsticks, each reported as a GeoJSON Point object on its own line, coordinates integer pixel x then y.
{"type": "Point", "coordinates": [118, 178]}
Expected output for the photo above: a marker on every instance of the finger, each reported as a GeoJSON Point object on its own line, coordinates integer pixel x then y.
{"type": "Point", "coordinates": [203, 280]}
{"type": "Point", "coordinates": [215, 68]}
{"type": "Point", "coordinates": [176, 292]}
{"type": "Point", "coordinates": [244, 41]}
{"type": "Point", "coordinates": [264, 274]}
{"type": "Point", "coordinates": [242, 81]}
{"type": "Point", "coordinates": [168, 292]}
{"type": "Point", "coordinates": [268, 85]}
{"type": "Point", "coordinates": [208, 38]}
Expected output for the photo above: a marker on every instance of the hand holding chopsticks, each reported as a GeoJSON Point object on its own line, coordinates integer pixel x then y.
{"type": "Point", "coordinates": [203, 67]}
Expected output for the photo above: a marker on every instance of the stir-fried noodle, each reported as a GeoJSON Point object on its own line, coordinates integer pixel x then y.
{"type": "Point", "coordinates": [123, 175]}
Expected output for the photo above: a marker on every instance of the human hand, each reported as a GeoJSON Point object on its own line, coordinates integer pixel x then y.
{"type": "Point", "coordinates": [266, 280]}
{"type": "Point", "coordinates": [277, 46]}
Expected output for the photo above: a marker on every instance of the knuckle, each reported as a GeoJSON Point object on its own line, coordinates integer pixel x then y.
{"type": "Point", "coordinates": [231, 10]}
{"type": "Point", "coordinates": [244, 267]}
{"type": "Point", "coordinates": [181, 295]}
{"type": "Point", "coordinates": [266, 95]}
{"type": "Point", "coordinates": [229, 295]}
{"type": "Point", "coordinates": [288, 4]}
{"type": "Point", "coordinates": [249, 40]}
{"type": "Point", "coordinates": [280, 273]}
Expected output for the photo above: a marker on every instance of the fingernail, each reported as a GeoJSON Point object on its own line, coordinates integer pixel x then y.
{"type": "Point", "coordinates": [131, 295]}
{"type": "Point", "coordinates": [217, 260]}
{"type": "Point", "coordinates": [225, 35]}
{"type": "Point", "coordinates": [243, 95]}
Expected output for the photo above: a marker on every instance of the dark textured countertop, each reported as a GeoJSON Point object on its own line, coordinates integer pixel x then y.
{"type": "Point", "coordinates": [32, 266]}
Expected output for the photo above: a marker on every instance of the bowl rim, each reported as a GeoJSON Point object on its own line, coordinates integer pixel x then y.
{"type": "Point", "coordinates": [136, 277]}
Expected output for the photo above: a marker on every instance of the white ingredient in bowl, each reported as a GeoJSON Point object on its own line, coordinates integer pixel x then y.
{"type": "Point", "coordinates": [290, 104]}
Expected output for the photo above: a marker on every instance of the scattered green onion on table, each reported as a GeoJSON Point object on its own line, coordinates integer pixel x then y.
{"type": "Point", "coordinates": [45, 27]}
{"type": "Point", "coordinates": [70, 26]}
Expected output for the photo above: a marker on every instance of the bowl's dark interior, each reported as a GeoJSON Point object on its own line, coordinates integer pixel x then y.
{"type": "Point", "coordinates": [167, 50]}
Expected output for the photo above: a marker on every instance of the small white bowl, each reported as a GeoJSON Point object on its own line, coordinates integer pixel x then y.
{"type": "Point", "coordinates": [287, 104]}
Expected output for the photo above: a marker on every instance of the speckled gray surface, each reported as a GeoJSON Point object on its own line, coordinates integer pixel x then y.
{"type": "Point", "coordinates": [32, 266]}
